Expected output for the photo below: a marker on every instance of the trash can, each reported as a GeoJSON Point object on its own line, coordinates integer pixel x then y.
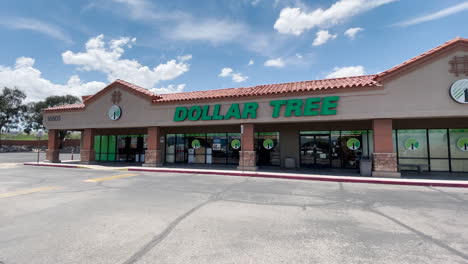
{"type": "Point", "coordinates": [365, 166]}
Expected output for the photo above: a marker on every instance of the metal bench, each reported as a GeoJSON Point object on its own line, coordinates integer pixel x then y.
{"type": "Point", "coordinates": [419, 167]}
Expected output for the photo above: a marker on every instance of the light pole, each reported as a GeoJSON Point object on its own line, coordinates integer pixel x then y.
{"type": "Point", "coordinates": [39, 135]}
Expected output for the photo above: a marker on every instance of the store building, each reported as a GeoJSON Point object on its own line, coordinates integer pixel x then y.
{"type": "Point", "coordinates": [412, 116]}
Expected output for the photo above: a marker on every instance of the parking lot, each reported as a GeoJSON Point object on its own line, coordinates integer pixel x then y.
{"type": "Point", "coordinates": [63, 215]}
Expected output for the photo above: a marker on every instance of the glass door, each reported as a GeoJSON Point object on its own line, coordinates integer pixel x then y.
{"type": "Point", "coordinates": [315, 151]}
{"type": "Point", "coordinates": [322, 151]}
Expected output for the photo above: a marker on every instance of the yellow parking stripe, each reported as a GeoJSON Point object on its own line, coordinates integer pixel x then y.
{"type": "Point", "coordinates": [120, 176]}
{"type": "Point", "coordinates": [28, 191]}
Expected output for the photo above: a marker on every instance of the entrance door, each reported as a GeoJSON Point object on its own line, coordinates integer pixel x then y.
{"type": "Point", "coordinates": [315, 151]}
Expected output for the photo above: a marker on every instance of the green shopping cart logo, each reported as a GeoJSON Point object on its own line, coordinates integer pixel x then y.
{"type": "Point", "coordinates": [353, 144]}
{"type": "Point", "coordinates": [462, 144]}
{"type": "Point", "coordinates": [268, 143]}
{"type": "Point", "coordinates": [196, 144]}
{"type": "Point", "coordinates": [235, 144]}
{"type": "Point", "coordinates": [412, 144]}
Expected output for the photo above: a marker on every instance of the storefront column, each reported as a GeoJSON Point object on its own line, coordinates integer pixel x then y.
{"type": "Point", "coordinates": [153, 148]}
{"type": "Point", "coordinates": [53, 144]}
{"type": "Point", "coordinates": [384, 157]}
{"type": "Point", "coordinates": [87, 146]}
{"type": "Point", "coordinates": [247, 155]}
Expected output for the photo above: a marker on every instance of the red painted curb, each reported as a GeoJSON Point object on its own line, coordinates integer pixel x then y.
{"type": "Point", "coordinates": [315, 178]}
{"type": "Point", "coordinates": [52, 165]}
{"type": "Point", "coordinates": [288, 177]}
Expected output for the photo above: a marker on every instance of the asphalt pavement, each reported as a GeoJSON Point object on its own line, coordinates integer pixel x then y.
{"type": "Point", "coordinates": [17, 157]}
{"type": "Point", "coordinates": [63, 215]}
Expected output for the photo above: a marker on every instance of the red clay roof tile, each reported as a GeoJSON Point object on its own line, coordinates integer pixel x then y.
{"type": "Point", "coordinates": [66, 107]}
{"type": "Point", "coordinates": [268, 89]}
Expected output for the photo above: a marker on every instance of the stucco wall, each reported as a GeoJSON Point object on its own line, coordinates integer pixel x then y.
{"type": "Point", "coordinates": [422, 93]}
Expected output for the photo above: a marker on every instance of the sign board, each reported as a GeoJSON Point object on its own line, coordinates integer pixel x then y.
{"type": "Point", "coordinates": [279, 108]}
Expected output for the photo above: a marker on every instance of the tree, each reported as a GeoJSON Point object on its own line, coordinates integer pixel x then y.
{"type": "Point", "coordinates": [11, 108]}
{"type": "Point", "coordinates": [34, 119]}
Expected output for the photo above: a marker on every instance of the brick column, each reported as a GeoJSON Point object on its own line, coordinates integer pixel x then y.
{"type": "Point", "coordinates": [153, 153]}
{"type": "Point", "coordinates": [384, 157]}
{"type": "Point", "coordinates": [53, 144]}
{"type": "Point", "coordinates": [247, 155]}
{"type": "Point", "coordinates": [87, 146]}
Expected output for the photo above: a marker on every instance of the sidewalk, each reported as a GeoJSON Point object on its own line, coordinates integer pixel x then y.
{"type": "Point", "coordinates": [285, 174]}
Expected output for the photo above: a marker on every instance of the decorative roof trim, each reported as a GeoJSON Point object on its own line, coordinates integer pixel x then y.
{"type": "Point", "coordinates": [135, 89]}
{"type": "Point", "coordinates": [422, 58]}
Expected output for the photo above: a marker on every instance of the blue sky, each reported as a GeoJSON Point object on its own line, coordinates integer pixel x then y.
{"type": "Point", "coordinates": [77, 47]}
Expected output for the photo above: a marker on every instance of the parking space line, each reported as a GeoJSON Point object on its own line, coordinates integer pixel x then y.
{"type": "Point", "coordinates": [27, 191]}
{"type": "Point", "coordinates": [120, 176]}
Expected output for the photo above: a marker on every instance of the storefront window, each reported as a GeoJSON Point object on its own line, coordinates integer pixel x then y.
{"type": "Point", "coordinates": [340, 149]}
{"type": "Point", "coordinates": [438, 149]}
{"type": "Point", "coordinates": [170, 148]}
{"type": "Point", "coordinates": [218, 143]}
{"type": "Point", "coordinates": [335, 149]}
{"type": "Point", "coordinates": [211, 148]}
{"type": "Point", "coordinates": [352, 148]}
{"type": "Point", "coordinates": [109, 147]}
{"type": "Point", "coordinates": [97, 148]}
{"type": "Point", "coordinates": [233, 146]}
{"type": "Point", "coordinates": [412, 147]}
{"type": "Point", "coordinates": [459, 149]}
{"type": "Point", "coordinates": [268, 149]}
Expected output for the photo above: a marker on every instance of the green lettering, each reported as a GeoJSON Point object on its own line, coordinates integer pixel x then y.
{"type": "Point", "coordinates": [194, 113]}
{"type": "Point", "coordinates": [180, 113]}
{"type": "Point", "coordinates": [310, 105]}
{"type": "Point", "coordinates": [293, 105]}
{"type": "Point", "coordinates": [216, 115]}
{"type": "Point", "coordinates": [277, 107]}
{"type": "Point", "coordinates": [250, 109]}
{"type": "Point", "coordinates": [205, 113]}
{"type": "Point", "coordinates": [329, 105]}
{"type": "Point", "coordinates": [233, 111]}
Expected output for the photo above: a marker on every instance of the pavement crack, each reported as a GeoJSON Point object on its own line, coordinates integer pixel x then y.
{"type": "Point", "coordinates": [302, 206]}
{"type": "Point", "coordinates": [422, 235]}
{"type": "Point", "coordinates": [453, 196]}
{"type": "Point", "coordinates": [167, 231]}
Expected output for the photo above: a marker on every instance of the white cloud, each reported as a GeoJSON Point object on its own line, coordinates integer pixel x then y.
{"type": "Point", "coordinates": [107, 58]}
{"type": "Point", "coordinates": [278, 63]}
{"type": "Point", "coordinates": [35, 25]}
{"type": "Point", "coordinates": [255, 2]}
{"type": "Point", "coordinates": [236, 77]}
{"type": "Point", "coordinates": [295, 21]}
{"type": "Point", "coordinates": [29, 79]}
{"type": "Point", "coordinates": [211, 30]}
{"type": "Point", "coordinates": [169, 89]}
{"type": "Point", "coordinates": [351, 32]}
{"type": "Point", "coordinates": [322, 37]}
{"type": "Point", "coordinates": [251, 62]}
{"type": "Point", "coordinates": [225, 72]}
{"type": "Point", "coordinates": [437, 15]}
{"type": "Point", "coordinates": [185, 57]}
{"type": "Point", "coordinates": [339, 72]}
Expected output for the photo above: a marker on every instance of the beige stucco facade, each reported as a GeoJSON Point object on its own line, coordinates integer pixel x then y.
{"type": "Point", "coordinates": [421, 93]}
{"type": "Point", "coordinates": [417, 97]}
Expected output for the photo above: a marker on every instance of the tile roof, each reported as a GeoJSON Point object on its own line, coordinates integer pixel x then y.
{"type": "Point", "coordinates": [423, 56]}
{"type": "Point", "coordinates": [131, 86]}
{"type": "Point", "coordinates": [66, 107]}
{"type": "Point", "coordinates": [269, 89]}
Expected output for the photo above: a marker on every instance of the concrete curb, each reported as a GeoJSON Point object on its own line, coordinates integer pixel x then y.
{"type": "Point", "coordinates": [408, 182]}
